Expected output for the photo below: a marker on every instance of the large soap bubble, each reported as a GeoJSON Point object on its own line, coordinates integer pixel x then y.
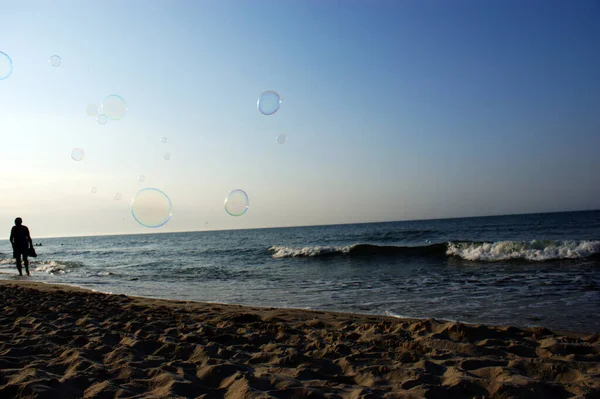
{"type": "Point", "coordinates": [55, 60]}
{"type": "Point", "coordinates": [77, 154]}
{"type": "Point", "coordinates": [6, 66]}
{"type": "Point", "coordinates": [151, 207]}
{"type": "Point", "coordinates": [114, 107]}
{"type": "Point", "coordinates": [236, 203]}
{"type": "Point", "coordinates": [268, 102]}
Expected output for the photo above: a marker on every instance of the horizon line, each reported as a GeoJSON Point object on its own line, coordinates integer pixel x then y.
{"type": "Point", "coordinates": [318, 225]}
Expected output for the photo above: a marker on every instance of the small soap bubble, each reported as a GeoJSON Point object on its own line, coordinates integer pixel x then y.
{"type": "Point", "coordinates": [281, 139]}
{"type": "Point", "coordinates": [114, 107]}
{"type": "Point", "coordinates": [167, 156]}
{"type": "Point", "coordinates": [117, 196]}
{"type": "Point", "coordinates": [141, 178]}
{"type": "Point", "coordinates": [77, 154]}
{"type": "Point", "coordinates": [163, 140]}
{"type": "Point", "coordinates": [6, 66]}
{"type": "Point", "coordinates": [55, 60]}
{"type": "Point", "coordinates": [94, 190]}
{"type": "Point", "coordinates": [92, 109]}
{"type": "Point", "coordinates": [236, 203]}
{"type": "Point", "coordinates": [268, 102]}
{"type": "Point", "coordinates": [102, 119]}
{"type": "Point", "coordinates": [151, 208]}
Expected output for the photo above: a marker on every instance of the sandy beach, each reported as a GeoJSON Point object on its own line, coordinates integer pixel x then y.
{"type": "Point", "coordinates": [65, 342]}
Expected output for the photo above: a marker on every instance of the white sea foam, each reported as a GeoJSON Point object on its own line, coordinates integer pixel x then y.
{"type": "Point", "coordinates": [397, 315]}
{"type": "Point", "coordinates": [50, 267]}
{"type": "Point", "coordinates": [527, 250]}
{"type": "Point", "coordinates": [288, 252]}
{"type": "Point", "coordinates": [7, 261]}
{"type": "Point", "coordinates": [55, 267]}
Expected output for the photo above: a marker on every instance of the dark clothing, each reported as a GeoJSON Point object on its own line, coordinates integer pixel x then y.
{"type": "Point", "coordinates": [20, 239]}
{"type": "Point", "coordinates": [21, 242]}
{"type": "Point", "coordinates": [17, 253]}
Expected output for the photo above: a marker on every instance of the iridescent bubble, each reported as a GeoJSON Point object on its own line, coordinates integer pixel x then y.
{"type": "Point", "coordinates": [167, 156]}
{"type": "Point", "coordinates": [268, 102]}
{"type": "Point", "coordinates": [151, 207]}
{"type": "Point", "coordinates": [141, 178]}
{"type": "Point", "coordinates": [114, 107]}
{"type": "Point", "coordinates": [92, 109]}
{"type": "Point", "coordinates": [281, 139]}
{"type": "Point", "coordinates": [117, 196]}
{"type": "Point", "coordinates": [102, 119]}
{"type": "Point", "coordinates": [77, 154]}
{"type": "Point", "coordinates": [6, 66]}
{"type": "Point", "coordinates": [236, 203]}
{"type": "Point", "coordinates": [94, 190]}
{"type": "Point", "coordinates": [55, 60]}
{"type": "Point", "coordinates": [163, 140]}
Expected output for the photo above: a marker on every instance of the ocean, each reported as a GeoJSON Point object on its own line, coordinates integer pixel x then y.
{"type": "Point", "coordinates": [521, 270]}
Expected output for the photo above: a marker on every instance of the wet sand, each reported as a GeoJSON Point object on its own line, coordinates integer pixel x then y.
{"type": "Point", "coordinates": [64, 342]}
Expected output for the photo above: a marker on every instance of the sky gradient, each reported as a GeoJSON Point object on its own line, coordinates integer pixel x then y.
{"type": "Point", "coordinates": [393, 110]}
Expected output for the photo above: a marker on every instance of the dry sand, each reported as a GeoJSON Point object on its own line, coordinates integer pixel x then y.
{"type": "Point", "coordinates": [64, 342]}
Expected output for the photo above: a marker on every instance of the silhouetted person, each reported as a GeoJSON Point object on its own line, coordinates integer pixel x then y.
{"type": "Point", "coordinates": [21, 242]}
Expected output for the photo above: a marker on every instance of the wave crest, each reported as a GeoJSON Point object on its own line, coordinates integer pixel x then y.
{"type": "Point", "coordinates": [306, 252]}
{"type": "Point", "coordinates": [535, 251]}
{"type": "Point", "coordinates": [56, 267]}
{"type": "Point", "coordinates": [358, 250]}
{"type": "Point", "coordinates": [523, 250]}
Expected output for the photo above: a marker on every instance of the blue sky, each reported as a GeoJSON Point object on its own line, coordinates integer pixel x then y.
{"type": "Point", "coordinates": [393, 110]}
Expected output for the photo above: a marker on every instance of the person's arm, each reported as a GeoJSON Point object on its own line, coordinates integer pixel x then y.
{"type": "Point", "coordinates": [12, 236]}
{"type": "Point", "coordinates": [29, 237]}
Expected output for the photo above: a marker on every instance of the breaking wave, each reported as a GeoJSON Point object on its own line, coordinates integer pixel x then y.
{"type": "Point", "coordinates": [533, 251]}
{"type": "Point", "coordinates": [55, 267]}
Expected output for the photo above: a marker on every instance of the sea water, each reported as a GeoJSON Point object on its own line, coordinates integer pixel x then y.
{"type": "Point", "coordinates": [523, 270]}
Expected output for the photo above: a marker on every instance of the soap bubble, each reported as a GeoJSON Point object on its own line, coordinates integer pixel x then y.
{"type": "Point", "coordinates": [167, 156]}
{"type": "Point", "coordinates": [114, 107]}
{"type": "Point", "coordinates": [6, 66]}
{"type": "Point", "coordinates": [94, 190]}
{"type": "Point", "coordinates": [151, 207]}
{"type": "Point", "coordinates": [77, 154]}
{"type": "Point", "coordinates": [102, 119]}
{"type": "Point", "coordinates": [236, 203]}
{"type": "Point", "coordinates": [92, 109]}
{"type": "Point", "coordinates": [163, 140]}
{"type": "Point", "coordinates": [281, 139]}
{"type": "Point", "coordinates": [268, 102]}
{"type": "Point", "coordinates": [141, 178]}
{"type": "Point", "coordinates": [55, 60]}
{"type": "Point", "coordinates": [117, 196]}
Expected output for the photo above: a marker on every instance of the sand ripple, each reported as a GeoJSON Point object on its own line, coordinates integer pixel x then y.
{"type": "Point", "coordinates": [60, 342]}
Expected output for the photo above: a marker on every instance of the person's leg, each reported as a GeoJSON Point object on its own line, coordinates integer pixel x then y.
{"type": "Point", "coordinates": [18, 258]}
{"type": "Point", "coordinates": [26, 263]}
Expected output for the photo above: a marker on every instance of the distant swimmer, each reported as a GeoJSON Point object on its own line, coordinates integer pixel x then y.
{"type": "Point", "coordinates": [21, 242]}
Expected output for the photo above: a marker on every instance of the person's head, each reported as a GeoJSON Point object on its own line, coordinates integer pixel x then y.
{"type": "Point", "coordinates": [18, 221]}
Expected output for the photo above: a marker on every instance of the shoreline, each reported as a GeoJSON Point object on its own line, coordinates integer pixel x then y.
{"type": "Point", "coordinates": [65, 341]}
{"type": "Point", "coordinates": [25, 281]}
